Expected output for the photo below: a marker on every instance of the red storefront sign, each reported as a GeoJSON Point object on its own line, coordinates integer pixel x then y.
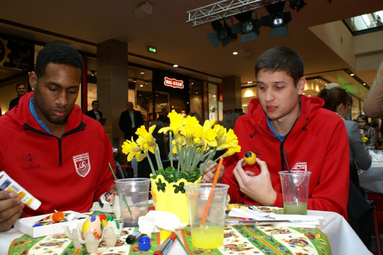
{"type": "Point", "coordinates": [174, 83]}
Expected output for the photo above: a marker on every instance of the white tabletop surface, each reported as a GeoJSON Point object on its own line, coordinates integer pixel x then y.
{"type": "Point", "coordinates": [372, 179]}
{"type": "Point", "coordinates": [341, 236]}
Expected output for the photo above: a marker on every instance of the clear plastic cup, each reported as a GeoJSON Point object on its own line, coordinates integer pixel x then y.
{"type": "Point", "coordinates": [133, 192]}
{"type": "Point", "coordinates": [295, 187]}
{"type": "Point", "coordinates": [209, 235]}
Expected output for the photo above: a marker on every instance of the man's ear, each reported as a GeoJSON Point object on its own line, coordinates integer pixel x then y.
{"type": "Point", "coordinates": [33, 80]}
{"type": "Point", "coordinates": [301, 85]}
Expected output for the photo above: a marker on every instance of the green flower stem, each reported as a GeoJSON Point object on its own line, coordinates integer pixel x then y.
{"type": "Point", "coordinates": [170, 148]}
{"type": "Point", "coordinates": [205, 163]}
{"type": "Point", "coordinates": [151, 164]}
{"type": "Point", "coordinates": [158, 157]}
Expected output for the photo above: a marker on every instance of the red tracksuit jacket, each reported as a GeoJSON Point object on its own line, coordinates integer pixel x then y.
{"type": "Point", "coordinates": [317, 142]}
{"type": "Point", "coordinates": [67, 173]}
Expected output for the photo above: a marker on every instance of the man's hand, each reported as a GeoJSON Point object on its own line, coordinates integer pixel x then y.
{"type": "Point", "coordinates": [257, 187]}
{"type": "Point", "coordinates": [11, 209]}
{"type": "Point", "coordinates": [209, 172]}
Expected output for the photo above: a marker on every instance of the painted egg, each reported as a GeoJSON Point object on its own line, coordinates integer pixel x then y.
{"type": "Point", "coordinates": [250, 158]}
{"type": "Point", "coordinates": [94, 224]}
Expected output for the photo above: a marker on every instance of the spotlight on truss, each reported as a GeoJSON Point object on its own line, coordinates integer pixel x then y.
{"type": "Point", "coordinates": [277, 19]}
{"type": "Point", "coordinates": [297, 4]}
{"type": "Point", "coordinates": [223, 34]}
{"type": "Point", "coordinates": [247, 27]}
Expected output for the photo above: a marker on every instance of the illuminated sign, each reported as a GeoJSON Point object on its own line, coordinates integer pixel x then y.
{"type": "Point", "coordinates": [152, 49]}
{"type": "Point", "coordinates": [174, 83]}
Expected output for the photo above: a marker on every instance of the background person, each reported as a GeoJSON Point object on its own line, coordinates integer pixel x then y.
{"type": "Point", "coordinates": [129, 121]}
{"type": "Point", "coordinates": [20, 89]}
{"type": "Point", "coordinates": [339, 101]}
{"type": "Point", "coordinates": [282, 119]}
{"type": "Point", "coordinates": [47, 145]}
{"type": "Point", "coordinates": [95, 113]}
{"type": "Point", "coordinates": [367, 131]}
{"type": "Point", "coordinates": [164, 116]}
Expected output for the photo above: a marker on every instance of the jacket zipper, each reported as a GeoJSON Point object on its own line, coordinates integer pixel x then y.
{"type": "Point", "coordinates": [73, 131]}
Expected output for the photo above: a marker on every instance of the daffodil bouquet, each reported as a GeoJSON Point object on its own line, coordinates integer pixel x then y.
{"type": "Point", "coordinates": [190, 141]}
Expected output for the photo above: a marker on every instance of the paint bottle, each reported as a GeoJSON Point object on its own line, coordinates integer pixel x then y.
{"type": "Point", "coordinates": [8, 184]}
{"type": "Point", "coordinates": [133, 237]}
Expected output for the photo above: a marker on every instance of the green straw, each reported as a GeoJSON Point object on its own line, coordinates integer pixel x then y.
{"type": "Point", "coordinates": [119, 188]}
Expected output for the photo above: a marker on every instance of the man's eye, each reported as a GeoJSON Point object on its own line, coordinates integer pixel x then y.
{"type": "Point", "coordinates": [53, 89]}
{"type": "Point", "coordinates": [73, 91]}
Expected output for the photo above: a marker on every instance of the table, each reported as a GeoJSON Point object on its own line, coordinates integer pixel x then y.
{"type": "Point", "coordinates": [342, 238]}
{"type": "Point", "coordinates": [372, 179]}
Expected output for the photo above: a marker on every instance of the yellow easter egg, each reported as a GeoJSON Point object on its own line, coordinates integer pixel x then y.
{"type": "Point", "coordinates": [250, 158]}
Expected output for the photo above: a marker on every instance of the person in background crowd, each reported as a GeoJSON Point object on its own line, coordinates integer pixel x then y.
{"type": "Point", "coordinates": [47, 145]}
{"type": "Point", "coordinates": [367, 131]}
{"type": "Point", "coordinates": [283, 125]}
{"type": "Point", "coordinates": [20, 89]}
{"type": "Point", "coordinates": [339, 101]}
{"type": "Point", "coordinates": [164, 117]}
{"type": "Point", "coordinates": [129, 121]}
{"type": "Point", "coordinates": [95, 113]}
{"type": "Point", "coordinates": [229, 120]}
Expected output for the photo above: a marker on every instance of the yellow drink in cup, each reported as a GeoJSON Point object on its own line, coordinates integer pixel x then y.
{"type": "Point", "coordinates": [207, 237]}
{"type": "Point", "coordinates": [208, 234]}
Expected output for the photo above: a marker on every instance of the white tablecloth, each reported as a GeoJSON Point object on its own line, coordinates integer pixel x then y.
{"type": "Point", "coordinates": [372, 179]}
{"type": "Point", "coordinates": [341, 236]}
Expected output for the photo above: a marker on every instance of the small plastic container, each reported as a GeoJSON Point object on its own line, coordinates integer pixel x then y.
{"type": "Point", "coordinates": [144, 243]}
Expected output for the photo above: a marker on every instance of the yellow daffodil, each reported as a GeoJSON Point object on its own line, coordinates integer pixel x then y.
{"type": "Point", "coordinates": [191, 142]}
{"type": "Point", "coordinates": [176, 123]}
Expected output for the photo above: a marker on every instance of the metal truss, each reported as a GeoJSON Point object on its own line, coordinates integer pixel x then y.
{"type": "Point", "coordinates": [224, 9]}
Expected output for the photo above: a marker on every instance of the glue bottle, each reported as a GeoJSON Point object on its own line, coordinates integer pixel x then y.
{"type": "Point", "coordinates": [8, 184]}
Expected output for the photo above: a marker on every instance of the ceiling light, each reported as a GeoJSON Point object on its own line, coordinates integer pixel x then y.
{"type": "Point", "coordinates": [235, 53]}
{"type": "Point", "coordinates": [277, 19]}
{"type": "Point", "coordinates": [175, 65]}
{"type": "Point", "coordinates": [297, 4]}
{"type": "Point", "coordinates": [351, 74]}
{"type": "Point", "coordinates": [249, 82]}
{"type": "Point", "coordinates": [142, 72]}
{"type": "Point", "coordinates": [223, 34]}
{"type": "Point", "coordinates": [364, 84]}
{"type": "Point", "coordinates": [248, 27]}
{"type": "Point", "coordinates": [141, 85]}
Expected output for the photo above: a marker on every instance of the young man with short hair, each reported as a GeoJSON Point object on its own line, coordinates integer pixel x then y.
{"type": "Point", "coordinates": [282, 126]}
{"type": "Point", "coordinates": [49, 147]}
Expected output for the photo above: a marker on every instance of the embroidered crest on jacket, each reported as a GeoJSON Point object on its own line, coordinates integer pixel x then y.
{"type": "Point", "coordinates": [82, 164]}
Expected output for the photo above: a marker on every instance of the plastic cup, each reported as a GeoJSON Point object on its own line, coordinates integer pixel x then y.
{"type": "Point", "coordinates": [209, 235]}
{"type": "Point", "coordinates": [135, 193]}
{"type": "Point", "coordinates": [295, 187]}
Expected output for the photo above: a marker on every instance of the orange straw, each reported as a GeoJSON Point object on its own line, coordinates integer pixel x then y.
{"type": "Point", "coordinates": [211, 193]}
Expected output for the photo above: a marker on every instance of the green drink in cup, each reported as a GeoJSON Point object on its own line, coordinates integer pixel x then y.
{"type": "Point", "coordinates": [295, 187]}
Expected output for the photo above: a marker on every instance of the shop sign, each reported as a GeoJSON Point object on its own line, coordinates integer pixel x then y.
{"type": "Point", "coordinates": [174, 83]}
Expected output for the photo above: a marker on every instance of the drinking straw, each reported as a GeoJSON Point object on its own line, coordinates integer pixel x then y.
{"type": "Point", "coordinates": [291, 178]}
{"type": "Point", "coordinates": [211, 193]}
{"type": "Point", "coordinates": [119, 188]}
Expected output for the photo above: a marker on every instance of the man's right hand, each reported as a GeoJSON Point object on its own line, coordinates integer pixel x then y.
{"type": "Point", "coordinates": [11, 209]}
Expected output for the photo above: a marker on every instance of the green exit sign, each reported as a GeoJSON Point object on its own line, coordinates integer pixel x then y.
{"type": "Point", "coordinates": [152, 49]}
